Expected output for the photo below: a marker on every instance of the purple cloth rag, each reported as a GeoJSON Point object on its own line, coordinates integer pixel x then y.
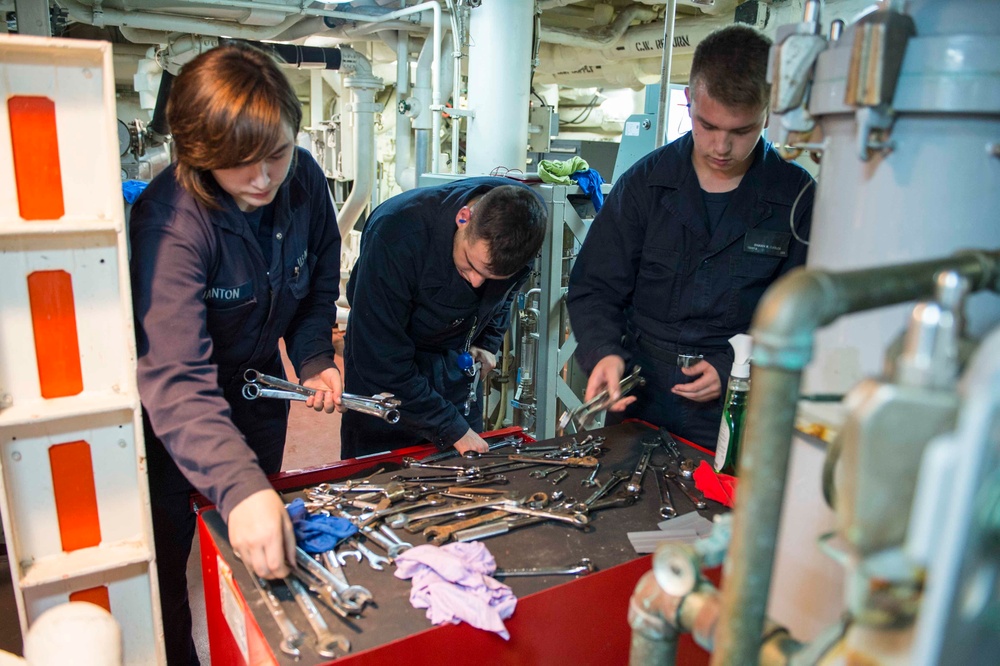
{"type": "Point", "coordinates": [453, 583]}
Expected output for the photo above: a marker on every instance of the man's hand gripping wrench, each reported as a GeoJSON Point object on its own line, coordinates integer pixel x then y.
{"type": "Point", "coordinates": [585, 413]}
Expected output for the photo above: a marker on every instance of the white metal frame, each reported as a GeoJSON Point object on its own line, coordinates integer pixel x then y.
{"type": "Point", "coordinates": [89, 242]}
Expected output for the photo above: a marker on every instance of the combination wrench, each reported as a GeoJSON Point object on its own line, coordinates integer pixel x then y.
{"type": "Point", "coordinates": [634, 485]}
{"type": "Point", "coordinates": [258, 385]}
{"type": "Point", "coordinates": [328, 644]}
{"type": "Point", "coordinates": [697, 501]}
{"type": "Point", "coordinates": [582, 568]}
{"type": "Point", "coordinates": [291, 636]}
{"type": "Point", "coordinates": [667, 509]}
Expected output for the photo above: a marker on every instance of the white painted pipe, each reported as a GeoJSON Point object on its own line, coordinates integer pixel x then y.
{"type": "Point", "coordinates": [362, 85]}
{"type": "Point", "coordinates": [499, 89]}
{"type": "Point", "coordinates": [456, 83]}
{"type": "Point", "coordinates": [404, 132]}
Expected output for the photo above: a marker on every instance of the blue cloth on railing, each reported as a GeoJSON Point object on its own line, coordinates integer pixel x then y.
{"type": "Point", "coordinates": [590, 182]}
{"type": "Point", "coordinates": [131, 189]}
{"type": "Point", "coordinates": [317, 534]}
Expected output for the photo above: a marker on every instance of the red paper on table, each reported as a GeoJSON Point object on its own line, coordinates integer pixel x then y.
{"type": "Point", "coordinates": [718, 487]}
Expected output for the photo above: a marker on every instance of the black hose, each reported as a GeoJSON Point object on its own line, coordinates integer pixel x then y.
{"type": "Point", "coordinates": [158, 128]}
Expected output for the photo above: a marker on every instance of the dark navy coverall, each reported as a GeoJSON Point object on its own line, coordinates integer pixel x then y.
{"type": "Point", "coordinates": [650, 282]}
{"type": "Point", "coordinates": [206, 309]}
{"type": "Point", "coordinates": [411, 314]}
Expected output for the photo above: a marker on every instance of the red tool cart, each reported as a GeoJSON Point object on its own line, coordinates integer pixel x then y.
{"type": "Point", "coordinates": [558, 620]}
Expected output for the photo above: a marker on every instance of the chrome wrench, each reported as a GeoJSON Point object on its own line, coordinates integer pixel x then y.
{"type": "Point", "coordinates": [667, 509]}
{"type": "Point", "coordinates": [291, 636]}
{"type": "Point", "coordinates": [328, 644]}
{"type": "Point", "coordinates": [582, 568]}
{"type": "Point", "coordinates": [698, 502]}
{"type": "Point", "coordinates": [375, 561]}
{"type": "Point", "coordinates": [258, 385]}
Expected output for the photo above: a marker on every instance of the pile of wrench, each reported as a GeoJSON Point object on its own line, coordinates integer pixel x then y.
{"type": "Point", "coordinates": [449, 500]}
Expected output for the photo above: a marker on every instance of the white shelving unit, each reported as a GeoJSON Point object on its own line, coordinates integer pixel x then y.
{"type": "Point", "coordinates": [73, 493]}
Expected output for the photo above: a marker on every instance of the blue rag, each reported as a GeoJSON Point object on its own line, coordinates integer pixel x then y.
{"type": "Point", "coordinates": [590, 182]}
{"type": "Point", "coordinates": [131, 189]}
{"type": "Point", "coordinates": [317, 534]}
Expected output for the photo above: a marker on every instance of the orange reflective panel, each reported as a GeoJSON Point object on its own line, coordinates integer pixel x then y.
{"type": "Point", "coordinates": [76, 495]}
{"type": "Point", "coordinates": [36, 157]}
{"type": "Point", "coordinates": [53, 320]}
{"type": "Point", "coordinates": [95, 595]}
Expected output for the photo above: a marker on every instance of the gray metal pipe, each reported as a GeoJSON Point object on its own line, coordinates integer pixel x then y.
{"type": "Point", "coordinates": [663, 109]}
{"type": "Point", "coordinates": [783, 327]}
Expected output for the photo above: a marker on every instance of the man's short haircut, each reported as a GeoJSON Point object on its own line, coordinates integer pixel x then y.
{"type": "Point", "coordinates": [227, 108]}
{"type": "Point", "coordinates": [512, 221]}
{"type": "Point", "coordinates": [732, 65]}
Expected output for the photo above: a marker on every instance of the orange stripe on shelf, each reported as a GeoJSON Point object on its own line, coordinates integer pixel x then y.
{"type": "Point", "coordinates": [95, 595]}
{"type": "Point", "coordinates": [53, 319]}
{"type": "Point", "coordinates": [36, 157]}
{"type": "Point", "coordinates": [76, 496]}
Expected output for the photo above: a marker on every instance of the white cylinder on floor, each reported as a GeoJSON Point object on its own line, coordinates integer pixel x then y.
{"type": "Point", "coordinates": [78, 633]}
{"type": "Point", "coordinates": [499, 86]}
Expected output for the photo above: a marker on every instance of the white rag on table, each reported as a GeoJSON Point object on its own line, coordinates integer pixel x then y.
{"type": "Point", "coordinates": [453, 583]}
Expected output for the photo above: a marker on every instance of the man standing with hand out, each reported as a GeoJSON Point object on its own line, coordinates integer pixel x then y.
{"type": "Point", "coordinates": [686, 244]}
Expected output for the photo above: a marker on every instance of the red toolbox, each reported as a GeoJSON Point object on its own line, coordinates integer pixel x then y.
{"type": "Point", "coordinates": [558, 620]}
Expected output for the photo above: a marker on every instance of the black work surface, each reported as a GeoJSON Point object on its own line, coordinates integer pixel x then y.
{"type": "Point", "coordinates": [604, 541]}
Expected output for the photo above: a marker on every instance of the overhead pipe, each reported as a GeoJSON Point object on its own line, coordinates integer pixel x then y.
{"type": "Point", "coordinates": [602, 36]}
{"type": "Point", "coordinates": [105, 16]}
{"type": "Point", "coordinates": [783, 328]}
{"type": "Point", "coordinates": [436, 106]}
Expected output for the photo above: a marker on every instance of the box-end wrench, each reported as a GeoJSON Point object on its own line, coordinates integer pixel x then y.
{"type": "Point", "coordinates": [258, 385]}
{"type": "Point", "coordinates": [291, 636]}
{"type": "Point", "coordinates": [634, 485]}
{"type": "Point", "coordinates": [667, 510]}
{"type": "Point", "coordinates": [328, 644]}
{"type": "Point", "coordinates": [582, 568]}
{"type": "Point", "coordinates": [616, 477]}
{"type": "Point", "coordinates": [697, 501]}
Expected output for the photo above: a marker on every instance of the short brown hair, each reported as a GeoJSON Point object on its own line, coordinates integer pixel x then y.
{"type": "Point", "coordinates": [226, 109]}
{"type": "Point", "coordinates": [512, 221]}
{"type": "Point", "coordinates": [732, 64]}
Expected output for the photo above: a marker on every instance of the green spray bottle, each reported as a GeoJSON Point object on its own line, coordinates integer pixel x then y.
{"type": "Point", "coordinates": [734, 412]}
